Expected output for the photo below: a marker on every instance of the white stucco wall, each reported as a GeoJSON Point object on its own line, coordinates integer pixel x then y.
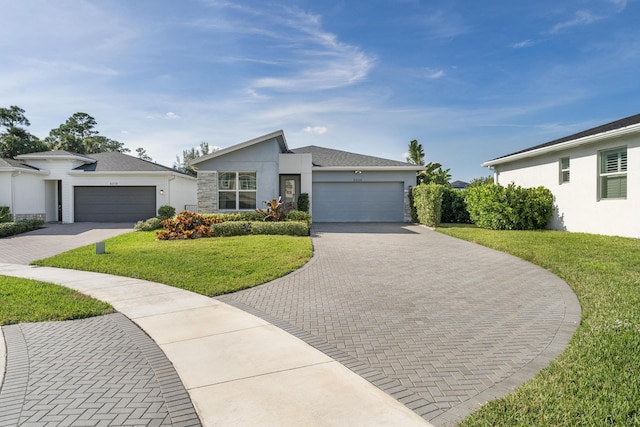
{"type": "Point", "coordinates": [5, 188]}
{"type": "Point", "coordinates": [28, 194]}
{"type": "Point", "coordinates": [579, 208]}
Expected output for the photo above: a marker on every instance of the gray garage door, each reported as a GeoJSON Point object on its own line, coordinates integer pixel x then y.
{"type": "Point", "coordinates": [358, 202]}
{"type": "Point", "coordinates": [114, 204]}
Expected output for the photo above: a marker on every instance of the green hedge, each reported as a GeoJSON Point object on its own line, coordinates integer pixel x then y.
{"type": "Point", "coordinates": [5, 214]}
{"type": "Point", "coordinates": [239, 228]}
{"type": "Point", "coordinates": [509, 208]}
{"type": "Point", "coordinates": [427, 199]}
{"type": "Point", "coordinates": [11, 228]}
{"type": "Point", "coordinates": [454, 208]}
{"type": "Point", "coordinates": [253, 216]}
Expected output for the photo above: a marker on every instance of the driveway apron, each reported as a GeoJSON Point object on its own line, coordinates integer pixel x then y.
{"type": "Point", "coordinates": [440, 324]}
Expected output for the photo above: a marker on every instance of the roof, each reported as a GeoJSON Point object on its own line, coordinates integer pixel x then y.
{"type": "Point", "coordinates": [59, 154]}
{"type": "Point", "coordinates": [330, 158]}
{"type": "Point", "coordinates": [459, 184]}
{"type": "Point", "coordinates": [278, 135]}
{"type": "Point", "coordinates": [14, 164]}
{"type": "Point", "coordinates": [114, 161]}
{"type": "Point", "coordinates": [616, 128]}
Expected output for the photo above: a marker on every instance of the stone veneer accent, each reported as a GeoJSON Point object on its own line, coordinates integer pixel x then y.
{"type": "Point", "coordinates": [407, 206]}
{"type": "Point", "coordinates": [22, 217]}
{"type": "Point", "coordinates": [207, 191]}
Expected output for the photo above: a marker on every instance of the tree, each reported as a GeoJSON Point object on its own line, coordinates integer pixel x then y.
{"type": "Point", "coordinates": [476, 182]}
{"type": "Point", "coordinates": [184, 164]}
{"type": "Point", "coordinates": [434, 173]}
{"type": "Point", "coordinates": [416, 153]}
{"type": "Point", "coordinates": [142, 154]}
{"type": "Point", "coordinates": [15, 140]}
{"type": "Point", "coordinates": [78, 135]}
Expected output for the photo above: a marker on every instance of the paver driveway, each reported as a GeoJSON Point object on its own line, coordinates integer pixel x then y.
{"type": "Point", "coordinates": [441, 324]}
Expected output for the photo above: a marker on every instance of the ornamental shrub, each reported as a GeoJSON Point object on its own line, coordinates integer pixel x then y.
{"type": "Point", "coordinates": [12, 228]}
{"type": "Point", "coordinates": [247, 216]}
{"type": "Point", "coordinates": [231, 228]}
{"type": "Point", "coordinates": [509, 208]}
{"type": "Point", "coordinates": [454, 208]}
{"type": "Point", "coordinates": [5, 214]}
{"type": "Point", "coordinates": [289, 228]}
{"type": "Point", "coordinates": [185, 225]}
{"type": "Point", "coordinates": [166, 211]}
{"type": "Point", "coordinates": [427, 198]}
{"type": "Point", "coordinates": [303, 202]}
{"type": "Point", "coordinates": [298, 216]}
{"type": "Point", "coordinates": [148, 225]}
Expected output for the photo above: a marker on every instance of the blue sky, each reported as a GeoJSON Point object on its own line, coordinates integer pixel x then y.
{"type": "Point", "coordinates": [469, 80]}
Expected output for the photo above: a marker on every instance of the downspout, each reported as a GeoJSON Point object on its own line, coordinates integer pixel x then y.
{"type": "Point", "coordinates": [171, 178]}
{"type": "Point", "coordinates": [13, 193]}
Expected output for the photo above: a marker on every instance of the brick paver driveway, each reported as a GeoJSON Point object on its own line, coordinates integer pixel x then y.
{"type": "Point", "coordinates": [441, 324]}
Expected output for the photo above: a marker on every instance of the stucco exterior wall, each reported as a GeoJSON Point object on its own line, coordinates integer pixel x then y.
{"type": "Point", "coordinates": [578, 206]}
{"type": "Point", "coordinates": [28, 197]}
{"type": "Point", "coordinates": [5, 189]}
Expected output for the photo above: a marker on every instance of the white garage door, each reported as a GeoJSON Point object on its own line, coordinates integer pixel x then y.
{"type": "Point", "coordinates": [358, 202]}
{"type": "Point", "coordinates": [114, 204]}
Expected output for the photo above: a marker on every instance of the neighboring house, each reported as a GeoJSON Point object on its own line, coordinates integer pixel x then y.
{"type": "Point", "coordinates": [459, 185]}
{"type": "Point", "coordinates": [342, 186]}
{"type": "Point", "coordinates": [594, 176]}
{"type": "Point", "coordinates": [102, 187]}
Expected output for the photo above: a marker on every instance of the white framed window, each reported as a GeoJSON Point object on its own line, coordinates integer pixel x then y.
{"type": "Point", "coordinates": [613, 173]}
{"type": "Point", "coordinates": [237, 191]}
{"type": "Point", "coordinates": [564, 170]}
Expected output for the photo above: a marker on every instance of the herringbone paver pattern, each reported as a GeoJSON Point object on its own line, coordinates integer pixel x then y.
{"type": "Point", "coordinates": [101, 371]}
{"type": "Point", "coordinates": [440, 324]}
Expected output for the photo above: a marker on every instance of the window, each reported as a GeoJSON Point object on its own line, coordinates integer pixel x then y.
{"type": "Point", "coordinates": [236, 190]}
{"type": "Point", "coordinates": [613, 174]}
{"type": "Point", "coordinates": [564, 170]}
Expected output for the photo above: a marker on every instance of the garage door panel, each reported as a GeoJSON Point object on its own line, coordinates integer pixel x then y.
{"type": "Point", "coordinates": [114, 204]}
{"type": "Point", "coordinates": [358, 202]}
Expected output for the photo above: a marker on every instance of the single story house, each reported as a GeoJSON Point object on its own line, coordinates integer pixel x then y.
{"type": "Point", "coordinates": [102, 187]}
{"type": "Point", "coordinates": [588, 173]}
{"type": "Point", "coordinates": [342, 186]}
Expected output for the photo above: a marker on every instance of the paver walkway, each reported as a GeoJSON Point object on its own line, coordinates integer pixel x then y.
{"type": "Point", "coordinates": [440, 324]}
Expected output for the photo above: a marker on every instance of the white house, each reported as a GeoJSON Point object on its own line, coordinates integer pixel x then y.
{"type": "Point", "coordinates": [342, 186]}
{"type": "Point", "coordinates": [594, 176]}
{"type": "Point", "coordinates": [102, 187]}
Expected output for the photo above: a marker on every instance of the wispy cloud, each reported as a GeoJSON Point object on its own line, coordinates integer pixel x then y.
{"type": "Point", "coordinates": [523, 44]}
{"type": "Point", "coordinates": [434, 74]}
{"type": "Point", "coordinates": [441, 24]}
{"type": "Point", "coordinates": [315, 130]}
{"type": "Point", "coordinates": [582, 17]}
{"type": "Point", "coordinates": [620, 5]}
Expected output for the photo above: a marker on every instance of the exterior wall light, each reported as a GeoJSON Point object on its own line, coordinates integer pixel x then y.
{"type": "Point", "coordinates": [162, 192]}
{"type": "Point", "coordinates": [357, 171]}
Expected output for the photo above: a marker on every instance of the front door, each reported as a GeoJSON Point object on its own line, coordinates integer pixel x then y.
{"type": "Point", "coordinates": [59, 201]}
{"type": "Point", "coordinates": [290, 190]}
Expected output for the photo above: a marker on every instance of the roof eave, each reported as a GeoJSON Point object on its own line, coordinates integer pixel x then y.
{"type": "Point", "coordinates": [565, 145]}
{"type": "Point", "coordinates": [85, 173]}
{"type": "Point", "coordinates": [27, 170]}
{"type": "Point", "coordinates": [35, 156]}
{"type": "Point", "coordinates": [411, 168]}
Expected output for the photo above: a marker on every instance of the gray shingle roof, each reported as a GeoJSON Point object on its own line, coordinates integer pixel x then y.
{"type": "Point", "coordinates": [118, 162]}
{"type": "Point", "coordinates": [327, 157]}
{"type": "Point", "coordinates": [10, 163]}
{"type": "Point", "coordinates": [618, 124]}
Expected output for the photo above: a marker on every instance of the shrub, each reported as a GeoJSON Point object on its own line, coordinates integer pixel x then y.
{"type": "Point", "coordinates": [289, 228]}
{"type": "Point", "coordinates": [276, 210]}
{"type": "Point", "coordinates": [509, 208]}
{"type": "Point", "coordinates": [454, 208]}
{"type": "Point", "coordinates": [303, 202]}
{"type": "Point", "coordinates": [247, 216]}
{"type": "Point", "coordinates": [298, 216]}
{"type": "Point", "coordinates": [5, 214]}
{"type": "Point", "coordinates": [186, 225]}
{"type": "Point", "coordinates": [231, 228]}
{"type": "Point", "coordinates": [427, 199]}
{"type": "Point", "coordinates": [166, 211]}
{"type": "Point", "coordinates": [149, 225]}
{"type": "Point", "coordinates": [414, 212]}
{"type": "Point", "coordinates": [12, 228]}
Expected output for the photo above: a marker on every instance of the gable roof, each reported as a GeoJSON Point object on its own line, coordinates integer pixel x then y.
{"type": "Point", "coordinates": [11, 164]}
{"type": "Point", "coordinates": [329, 158]}
{"type": "Point", "coordinates": [617, 128]}
{"type": "Point", "coordinates": [278, 135]}
{"type": "Point", "coordinates": [55, 154]}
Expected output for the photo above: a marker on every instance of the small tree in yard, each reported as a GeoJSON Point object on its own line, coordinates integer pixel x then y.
{"type": "Point", "coordinates": [427, 199]}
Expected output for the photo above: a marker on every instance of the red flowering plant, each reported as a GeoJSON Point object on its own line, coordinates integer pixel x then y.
{"type": "Point", "coordinates": [186, 225]}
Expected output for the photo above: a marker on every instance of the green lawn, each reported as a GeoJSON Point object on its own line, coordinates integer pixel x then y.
{"type": "Point", "coordinates": [23, 300]}
{"type": "Point", "coordinates": [209, 266]}
{"type": "Point", "coordinates": [596, 381]}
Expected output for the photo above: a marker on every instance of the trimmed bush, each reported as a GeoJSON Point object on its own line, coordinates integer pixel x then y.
{"type": "Point", "coordinates": [427, 199]}
{"type": "Point", "coordinates": [414, 212]}
{"type": "Point", "coordinates": [12, 228]}
{"type": "Point", "coordinates": [166, 211]}
{"type": "Point", "coordinates": [298, 216]}
{"type": "Point", "coordinates": [509, 208]}
{"type": "Point", "coordinates": [303, 202]}
{"type": "Point", "coordinates": [231, 228]}
{"type": "Point", "coordinates": [248, 216]}
{"type": "Point", "coordinates": [454, 208]}
{"type": "Point", "coordinates": [149, 225]}
{"type": "Point", "coordinates": [5, 214]}
{"type": "Point", "coordinates": [289, 228]}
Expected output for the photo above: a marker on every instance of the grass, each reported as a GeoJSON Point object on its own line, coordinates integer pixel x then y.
{"type": "Point", "coordinates": [23, 300]}
{"type": "Point", "coordinates": [596, 381]}
{"type": "Point", "coordinates": [209, 266]}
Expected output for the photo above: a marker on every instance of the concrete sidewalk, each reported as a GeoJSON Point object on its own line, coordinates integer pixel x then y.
{"type": "Point", "coordinates": [238, 369]}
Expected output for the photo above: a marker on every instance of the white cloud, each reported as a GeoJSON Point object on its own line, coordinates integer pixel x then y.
{"type": "Point", "coordinates": [582, 17]}
{"type": "Point", "coordinates": [523, 44]}
{"type": "Point", "coordinates": [620, 5]}
{"type": "Point", "coordinates": [315, 130]}
{"type": "Point", "coordinates": [171, 116]}
{"type": "Point", "coordinates": [434, 74]}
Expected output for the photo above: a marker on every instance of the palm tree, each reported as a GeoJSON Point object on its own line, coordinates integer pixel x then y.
{"type": "Point", "coordinates": [416, 153]}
